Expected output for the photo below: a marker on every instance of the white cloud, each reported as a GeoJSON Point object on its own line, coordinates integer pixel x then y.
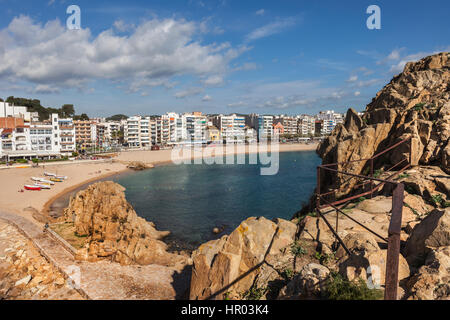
{"type": "Point", "coordinates": [271, 29]}
{"type": "Point", "coordinates": [214, 81]}
{"type": "Point", "coordinates": [45, 89]}
{"type": "Point", "coordinates": [260, 12]}
{"type": "Point", "coordinates": [206, 98]}
{"type": "Point", "coordinates": [121, 26]}
{"type": "Point", "coordinates": [357, 93]}
{"type": "Point", "coordinates": [188, 92]}
{"type": "Point", "coordinates": [246, 66]}
{"type": "Point", "coordinates": [237, 104]}
{"type": "Point", "coordinates": [353, 78]}
{"type": "Point", "coordinates": [156, 50]}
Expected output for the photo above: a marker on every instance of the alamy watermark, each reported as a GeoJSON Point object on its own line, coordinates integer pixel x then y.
{"type": "Point", "coordinates": [374, 20]}
{"type": "Point", "coordinates": [73, 22]}
{"type": "Point", "coordinates": [235, 151]}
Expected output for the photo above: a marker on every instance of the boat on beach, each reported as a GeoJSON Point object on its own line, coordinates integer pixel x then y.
{"type": "Point", "coordinates": [49, 174]}
{"type": "Point", "coordinates": [32, 187]}
{"type": "Point", "coordinates": [56, 179]}
{"type": "Point", "coordinates": [42, 186]}
{"type": "Point", "coordinates": [42, 180]}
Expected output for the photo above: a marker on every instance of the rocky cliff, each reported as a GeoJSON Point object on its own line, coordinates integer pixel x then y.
{"type": "Point", "coordinates": [414, 104]}
{"type": "Point", "coordinates": [114, 231]}
{"type": "Point", "coordinates": [299, 259]}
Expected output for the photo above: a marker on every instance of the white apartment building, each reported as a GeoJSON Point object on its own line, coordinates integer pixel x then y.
{"type": "Point", "coordinates": [65, 129]}
{"type": "Point", "coordinates": [137, 131]}
{"type": "Point", "coordinates": [232, 128]}
{"type": "Point", "coordinates": [8, 110]}
{"type": "Point", "coordinates": [265, 127]}
{"type": "Point", "coordinates": [306, 125]}
{"type": "Point", "coordinates": [196, 125]}
{"type": "Point", "coordinates": [329, 120]}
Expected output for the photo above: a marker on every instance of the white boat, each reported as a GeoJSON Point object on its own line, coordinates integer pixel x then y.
{"type": "Point", "coordinates": [61, 177]}
{"type": "Point", "coordinates": [42, 180]}
{"type": "Point", "coordinates": [46, 181]}
{"type": "Point", "coordinates": [42, 186]}
{"type": "Point", "coordinates": [48, 174]}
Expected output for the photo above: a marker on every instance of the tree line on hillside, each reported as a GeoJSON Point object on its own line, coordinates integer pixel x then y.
{"type": "Point", "coordinates": [34, 105]}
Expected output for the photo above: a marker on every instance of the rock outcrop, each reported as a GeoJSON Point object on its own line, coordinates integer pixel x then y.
{"type": "Point", "coordinates": [433, 232]}
{"type": "Point", "coordinates": [114, 231]}
{"type": "Point", "coordinates": [310, 283]}
{"type": "Point", "coordinates": [252, 256]}
{"type": "Point", "coordinates": [432, 281]}
{"type": "Point", "coordinates": [414, 104]}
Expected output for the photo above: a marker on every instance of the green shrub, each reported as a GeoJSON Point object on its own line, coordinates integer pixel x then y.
{"type": "Point", "coordinates": [288, 274]}
{"type": "Point", "coordinates": [254, 294]}
{"type": "Point", "coordinates": [419, 106]}
{"type": "Point", "coordinates": [378, 173]}
{"type": "Point", "coordinates": [297, 249]}
{"type": "Point", "coordinates": [22, 161]}
{"type": "Point", "coordinates": [339, 288]}
{"type": "Point", "coordinates": [437, 199]}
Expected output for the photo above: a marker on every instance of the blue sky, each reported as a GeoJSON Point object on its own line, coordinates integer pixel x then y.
{"type": "Point", "coordinates": [217, 56]}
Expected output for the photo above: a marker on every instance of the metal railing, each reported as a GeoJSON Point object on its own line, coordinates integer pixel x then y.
{"type": "Point", "coordinates": [393, 240]}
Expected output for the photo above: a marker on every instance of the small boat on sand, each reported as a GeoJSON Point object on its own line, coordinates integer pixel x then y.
{"type": "Point", "coordinates": [56, 180]}
{"type": "Point", "coordinates": [61, 177]}
{"type": "Point", "coordinates": [32, 188]}
{"type": "Point", "coordinates": [48, 174]}
{"type": "Point", "coordinates": [42, 180]}
{"type": "Point", "coordinates": [42, 186]}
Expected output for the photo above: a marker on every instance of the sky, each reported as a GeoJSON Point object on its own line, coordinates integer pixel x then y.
{"type": "Point", "coordinates": [215, 56]}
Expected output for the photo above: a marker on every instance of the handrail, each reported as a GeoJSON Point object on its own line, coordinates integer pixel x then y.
{"type": "Point", "coordinates": [393, 251]}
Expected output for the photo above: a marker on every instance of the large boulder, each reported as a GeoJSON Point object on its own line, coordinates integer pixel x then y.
{"type": "Point", "coordinates": [310, 283]}
{"type": "Point", "coordinates": [113, 229]}
{"type": "Point", "coordinates": [432, 232]}
{"type": "Point", "coordinates": [231, 265]}
{"type": "Point", "coordinates": [432, 281]}
{"type": "Point", "coordinates": [367, 261]}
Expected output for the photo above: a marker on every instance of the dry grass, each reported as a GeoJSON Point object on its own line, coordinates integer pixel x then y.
{"type": "Point", "coordinates": [67, 231]}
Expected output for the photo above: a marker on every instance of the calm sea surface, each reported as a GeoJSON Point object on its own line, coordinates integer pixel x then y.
{"type": "Point", "coordinates": [190, 200]}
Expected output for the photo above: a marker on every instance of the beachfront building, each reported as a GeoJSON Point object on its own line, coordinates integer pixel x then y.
{"type": "Point", "coordinates": [265, 127]}
{"type": "Point", "coordinates": [306, 125]}
{"type": "Point", "coordinates": [196, 124]}
{"type": "Point", "coordinates": [232, 128]}
{"type": "Point", "coordinates": [329, 121]}
{"type": "Point", "coordinates": [137, 131]}
{"type": "Point", "coordinates": [290, 124]}
{"type": "Point", "coordinates": [251, 136]}
{"type": "Point", "coordinates": [278, 128]}
{"type": "Point", "coordinates": [213, 134]}
{"type": "Point", "coordinates": [14, 135]}
{"type": "Point", "coordinates": [85, 134]}
{"type": "Point", "coordinates": [64, 129]}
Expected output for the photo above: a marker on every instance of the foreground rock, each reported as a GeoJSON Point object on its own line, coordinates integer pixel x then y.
{"type": "Point", "coordinates": [433, 232]}
{"type": "Point", "coordinates": [114, 231]}
{"type": "Point", "coordinates": [251, 258]}
{"type": "Point", "coordinates": [432, 281]}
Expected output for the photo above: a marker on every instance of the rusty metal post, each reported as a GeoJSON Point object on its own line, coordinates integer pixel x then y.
{"type": "Point", "coordinates": [371, 181]}
{"type": "Point", "coordinates": [393, 251]}
{"type": "Point", "coordinates": [318, 189]}
{"type": "Point", "coordinates": [410, 151]}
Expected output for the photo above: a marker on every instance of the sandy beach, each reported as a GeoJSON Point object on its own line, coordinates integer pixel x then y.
{"type": "Point", "coordinates": [13, 179]}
